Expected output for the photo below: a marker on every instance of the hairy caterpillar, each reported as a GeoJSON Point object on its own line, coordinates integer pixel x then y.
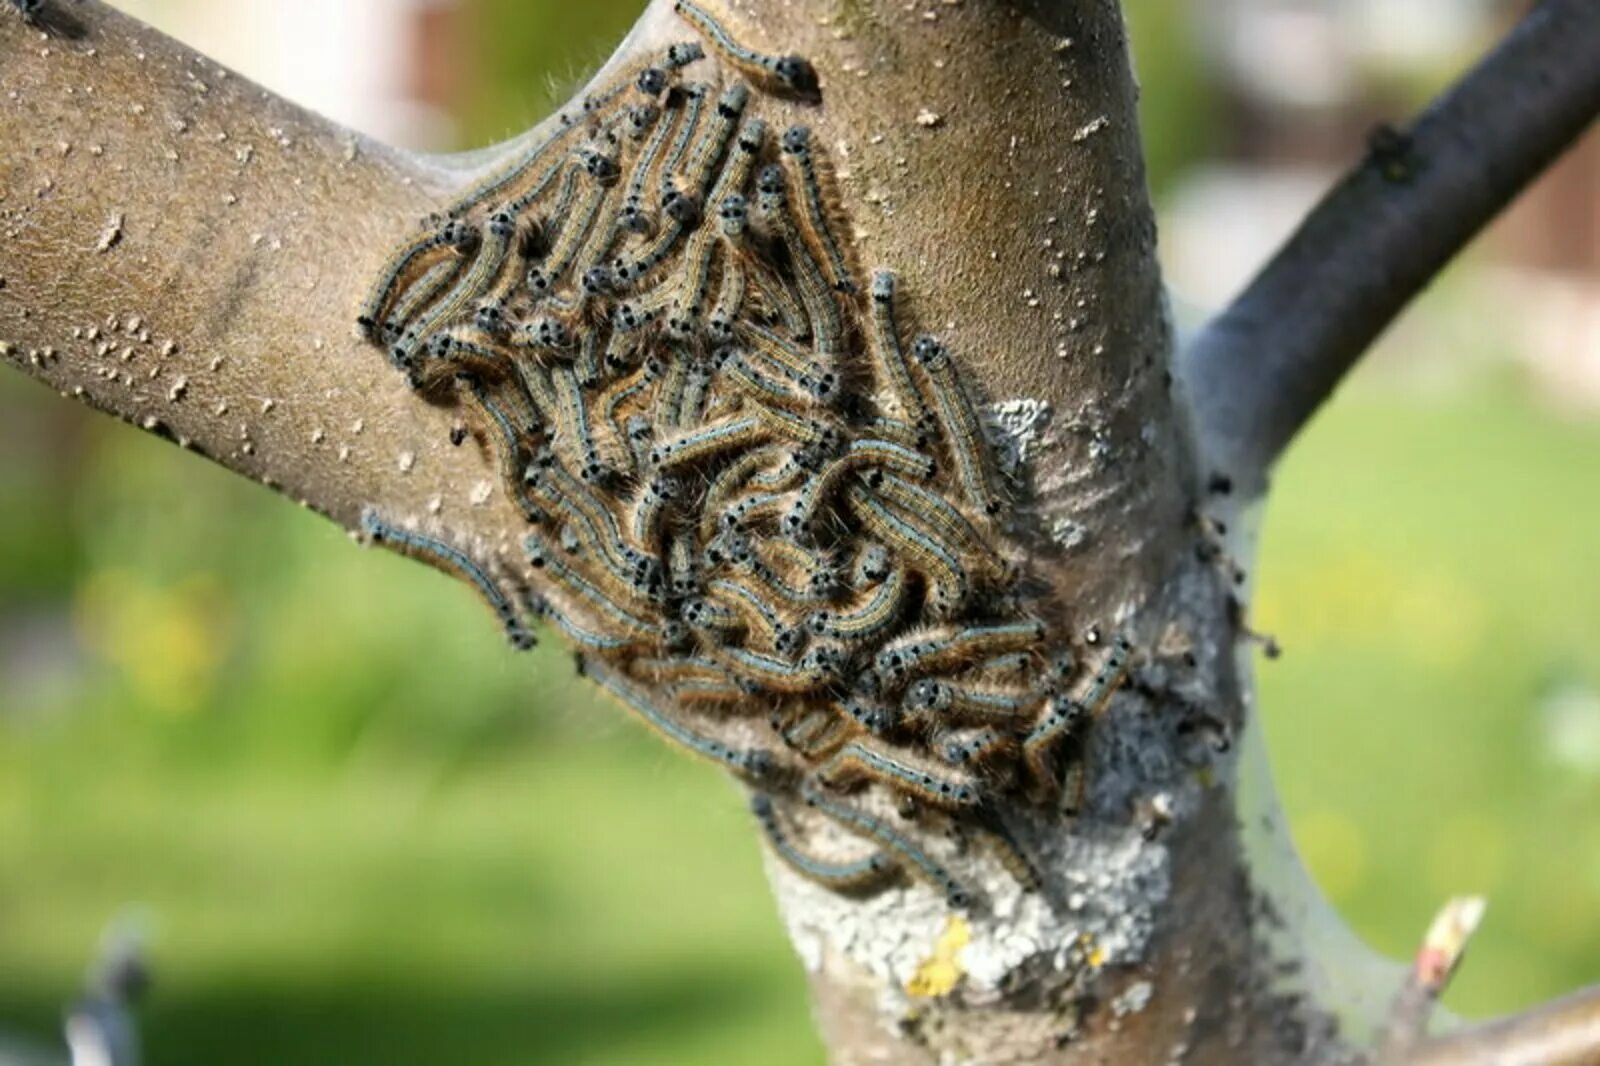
{"type": "Point", "coordinates": [453, 561]}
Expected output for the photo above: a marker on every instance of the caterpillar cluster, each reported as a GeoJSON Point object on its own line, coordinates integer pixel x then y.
{"type": "Point", "coordinates": [48, 18]}
{"type": "Point", "coordinates": [767, 518]}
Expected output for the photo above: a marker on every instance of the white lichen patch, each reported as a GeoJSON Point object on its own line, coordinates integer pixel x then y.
{"type": "Point", "coordinates": [1134, 998]}
{"type": "Point", "coordinates": [1015, 427]}
{"type": "Point", "coordinates": [1107, 888]}
{"type": "Point", "coordinates": [1068, 534]}
{"type": "Point", "coordinates": [111, 235]}
{"type": "Point", "coordinates": [1090, 128]}
{"type": "Point", "coordinates": [1098, 908]}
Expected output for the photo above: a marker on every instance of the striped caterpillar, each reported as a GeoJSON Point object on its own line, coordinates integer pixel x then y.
{"type": "Point", "coordinates": [765, 514]}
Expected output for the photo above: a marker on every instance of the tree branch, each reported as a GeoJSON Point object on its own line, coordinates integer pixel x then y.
{"type": "Point", "coordinates": [1565, 1032]}
{"type": "Point", "coordinates": [1259, 370]}
{"type": "Point", "coordinates": [183, 249]}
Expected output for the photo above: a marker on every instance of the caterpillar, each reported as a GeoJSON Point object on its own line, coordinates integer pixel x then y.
{"type": "Point", "coordinates": [791, 73]}
{"type": "Point", "coordinates": [454, 561]}
{"type": "Point", "coordinates": [752, 764]}
{"type": "Point", "coordinates": [814, 225]}
{"type": "Point", "coordinates": [954, 892]}
{"type": "Point", "coordinates": [850, 876]}
{"type": "Point", "coordinates": [858, 760]}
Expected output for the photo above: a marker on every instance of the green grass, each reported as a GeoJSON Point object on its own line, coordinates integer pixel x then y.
{"type": "Point", "coordinates": [1433, 572]}
{"type": "Point", "coordinates": [539, 908]}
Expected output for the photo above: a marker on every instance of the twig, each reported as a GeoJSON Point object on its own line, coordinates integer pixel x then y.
{"type": "Point", "coordinates": [1435, 964]}
{"type": "Point", "coordinates": [1565, 1032]}
{"type": "Point", "coordinates": [1258, 371]}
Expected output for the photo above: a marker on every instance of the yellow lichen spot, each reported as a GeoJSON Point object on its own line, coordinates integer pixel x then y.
{"type": "Point", "coordinates": [939, 974]}
{"type": "Point", "coordinates": [1097, 956]}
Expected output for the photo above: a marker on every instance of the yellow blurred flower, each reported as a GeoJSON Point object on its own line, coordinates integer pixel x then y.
{"type": "Point", "coordinates": [168, 642]}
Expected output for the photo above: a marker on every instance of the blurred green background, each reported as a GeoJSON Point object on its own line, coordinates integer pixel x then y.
{"type": "Point", "coordinates": [350, 847]}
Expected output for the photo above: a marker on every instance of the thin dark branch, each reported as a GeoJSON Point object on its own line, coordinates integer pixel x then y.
{"type": "Point", "coordinates": [1564, 1031]}
{"type": "Point", "coordinates": [1259, 370]}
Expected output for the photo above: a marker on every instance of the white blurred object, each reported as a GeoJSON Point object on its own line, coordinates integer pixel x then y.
{"type": "Point", "coordinates": [1569, 711]}
{"type": "Point", "coordinates": [1224, 221]}
{"type": "Point", "coordinates": [346, 59]}
{"type": "Point", "coordinates": [1315, 54]}
{"type": "Point", "coordinates": [1416, 32]}
{"type": "Point", "coordinates": [1285, 53]}
{"type": "Point", "coordinates": [1556, 332]}
{"type": "Point", "coordinates": [100, 1028]}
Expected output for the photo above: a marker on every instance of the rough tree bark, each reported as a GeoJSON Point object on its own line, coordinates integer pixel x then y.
{"type": "Point", "coordinates": [185, 251]}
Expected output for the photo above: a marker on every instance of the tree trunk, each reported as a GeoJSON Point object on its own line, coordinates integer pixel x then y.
{"type": "Point", "coordinates": [183, 250]}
